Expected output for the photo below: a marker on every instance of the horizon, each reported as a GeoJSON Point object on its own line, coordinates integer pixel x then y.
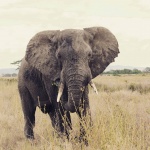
{"type": "Point", "coordinates": [110, 67]}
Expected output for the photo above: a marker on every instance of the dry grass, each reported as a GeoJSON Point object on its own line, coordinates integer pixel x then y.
{"type": "Point", "coordinates": [120, 113]}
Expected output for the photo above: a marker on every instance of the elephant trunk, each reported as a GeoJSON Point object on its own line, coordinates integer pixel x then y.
{"type": "Point", "coordinates": [76, 80]}
{"type": "Point", "coordinates": [74, 96]}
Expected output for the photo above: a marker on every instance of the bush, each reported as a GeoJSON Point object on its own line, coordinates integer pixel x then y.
{"type": "Point", "coordinates": [143, 89]}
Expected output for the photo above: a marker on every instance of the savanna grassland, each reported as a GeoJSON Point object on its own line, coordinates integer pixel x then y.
{"type": "Point", "coordinates": [120, 114]}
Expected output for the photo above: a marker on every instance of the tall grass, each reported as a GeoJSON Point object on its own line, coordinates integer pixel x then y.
{"type": "Point", "coordinates": [120, 114]}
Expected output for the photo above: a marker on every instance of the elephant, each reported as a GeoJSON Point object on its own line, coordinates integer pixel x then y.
{"type": "Point", "coordinates": [55, 73]}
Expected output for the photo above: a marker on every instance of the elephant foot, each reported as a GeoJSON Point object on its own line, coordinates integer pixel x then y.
{"type": "Point", "coordinates": [30, 137]}
{"type": "Point", "coordinates": [29, 134]}
{"type": "Point", "coordinates": [61, 135]}
{"type": "Point", "coordinates": [81, 139]}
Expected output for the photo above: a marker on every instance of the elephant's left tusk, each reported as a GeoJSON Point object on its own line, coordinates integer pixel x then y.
{"type": "Point", "coordinates": [60, 91]}
{"type": "Point", "coordinates": [93, 86]}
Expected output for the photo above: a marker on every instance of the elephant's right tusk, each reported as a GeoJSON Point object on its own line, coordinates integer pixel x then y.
{"type": "Point", "coordinates": [93, 86]}
{"type": "Point", "coordinates": [60, 91]}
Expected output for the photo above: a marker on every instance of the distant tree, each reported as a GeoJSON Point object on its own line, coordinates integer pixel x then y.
{"type": "Point", "coordinates": [124, 71]}
{"type": "Point", "coordinates": [136, 71]}
{"type": "Point", "coordinates": [6, 75]}
{"type": "Point", "coordinates": [14, 75]}
{"type": "Point", "coordinates": [18, 62]}
{"type": "Point", "coordinates": [9, 75]}
{"type": "Point", "coordinates": [127, 71]}
{"type": "Point", "coordinates": [147, 70]}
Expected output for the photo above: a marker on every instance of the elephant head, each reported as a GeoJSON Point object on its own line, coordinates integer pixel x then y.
{"type": "Point", "coordinates": [72, 56]}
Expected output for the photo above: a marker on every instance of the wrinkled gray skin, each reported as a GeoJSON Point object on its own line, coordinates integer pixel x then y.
{"type": "Point", "coordinates": [71, 57]}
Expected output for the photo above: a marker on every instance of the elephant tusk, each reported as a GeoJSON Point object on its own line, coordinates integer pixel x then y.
{"type": "Point", "coordinates": [60, 91]}
{"type": "Point", "coordinates": [93, 86]}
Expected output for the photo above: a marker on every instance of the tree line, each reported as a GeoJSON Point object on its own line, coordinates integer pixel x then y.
{"type": "Point", "coordinates": [127, 71]}
{"type": "Point", "coordinates": [9, 75]}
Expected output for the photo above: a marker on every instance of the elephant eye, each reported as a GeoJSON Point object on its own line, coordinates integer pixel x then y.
{"type": "Point", "coordinates": [89, 55]}
{"type": "Point", "coordinates": [59, 56]}
{"type": "Point", "coordinates": [74, 59]}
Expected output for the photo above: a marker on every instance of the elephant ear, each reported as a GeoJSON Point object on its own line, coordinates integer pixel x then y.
{"type": "Point", "coordinates": [40, 53]}
{"type": "Point", "coordinates": [104, 47]}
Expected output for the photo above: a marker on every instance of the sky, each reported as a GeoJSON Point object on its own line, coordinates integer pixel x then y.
{"type": "Point", "coordinates": [128, 20]}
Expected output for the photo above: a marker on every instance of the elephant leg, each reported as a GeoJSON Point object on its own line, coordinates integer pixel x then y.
{"type": "Point", "coordinates": [66, 124]}
{"type": "Point", "coordinates": [65, 115]}
{"type": "Point", "coordinates": [84, 114]}
{"type": "Point", "coordinates": [61, 120]}
{"type": "Point", "coordinates": [29, 109]}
